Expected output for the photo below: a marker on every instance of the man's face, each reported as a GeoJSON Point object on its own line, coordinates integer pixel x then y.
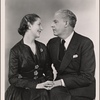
{"type": "Point", "coordinates": [58, 25]}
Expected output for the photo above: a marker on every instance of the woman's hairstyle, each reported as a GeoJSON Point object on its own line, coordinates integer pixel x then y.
{"type": "Point", "coordinates": [29, 18]}
{"type": "Point", "coordinates": [68, 14]}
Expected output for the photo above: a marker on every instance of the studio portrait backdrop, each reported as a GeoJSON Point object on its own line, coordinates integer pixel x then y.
{"type": "Point", "coordinates": [85, 11]}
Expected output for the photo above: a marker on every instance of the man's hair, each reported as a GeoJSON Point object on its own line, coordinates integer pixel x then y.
{"type": "Point", "coordinates": [67, 14]}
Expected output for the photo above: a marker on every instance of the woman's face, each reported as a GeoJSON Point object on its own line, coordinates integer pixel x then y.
{"type": "Point", "coordinates": [36, 28]}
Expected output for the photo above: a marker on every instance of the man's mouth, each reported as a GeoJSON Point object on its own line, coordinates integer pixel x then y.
{"type": "Point", "coordinates": [39, 31]}
{"type": "Point", "coordinates": [54, 30]}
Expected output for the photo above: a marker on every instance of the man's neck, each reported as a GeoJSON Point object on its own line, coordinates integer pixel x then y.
{"type": "Point", "coordinates": [67, 34]}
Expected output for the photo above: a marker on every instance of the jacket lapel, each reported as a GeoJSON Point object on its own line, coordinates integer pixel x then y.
{"type": "Point", "coordinates": [57, 49]}
{"type": "Point", "coordinates": [73, 45]}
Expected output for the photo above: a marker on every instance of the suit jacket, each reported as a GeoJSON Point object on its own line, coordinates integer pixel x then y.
{"type": "Point", "coordinates": [77, 66]}
{"type": "Point", "coordinates": [25, 69]}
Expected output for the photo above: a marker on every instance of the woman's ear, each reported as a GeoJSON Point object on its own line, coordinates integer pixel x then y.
{"type": "Point", "coordinates": [29, 25]}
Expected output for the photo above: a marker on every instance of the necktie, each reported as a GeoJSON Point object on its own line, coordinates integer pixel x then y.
{"type": "Point", "coordinates": [61, 50]}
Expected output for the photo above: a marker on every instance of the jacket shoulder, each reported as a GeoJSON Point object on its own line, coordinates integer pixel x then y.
{"type": "Point", "coordinates": [53, 40]}
{"type": "Point", "coordinates": [83, 39]}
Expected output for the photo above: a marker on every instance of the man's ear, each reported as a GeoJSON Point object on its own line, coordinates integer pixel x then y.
{"type": "Point", "coordinates": [29, 25]}
{"type": "Point", "coordinates": [66, 24]}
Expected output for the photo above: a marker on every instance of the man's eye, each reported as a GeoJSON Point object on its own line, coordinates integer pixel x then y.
{"type": "Point", "coordinates": [55, 21]}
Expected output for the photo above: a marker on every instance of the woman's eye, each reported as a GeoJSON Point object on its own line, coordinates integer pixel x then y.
{"type": "Point", "coordinates": [39, 24]}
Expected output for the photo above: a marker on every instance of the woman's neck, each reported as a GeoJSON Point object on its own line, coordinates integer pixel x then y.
{"type": "Point", "coordinates": [28, 39]}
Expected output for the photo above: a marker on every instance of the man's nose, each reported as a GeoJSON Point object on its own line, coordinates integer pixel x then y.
{"type": "Point", "coordinates": [52, 24]}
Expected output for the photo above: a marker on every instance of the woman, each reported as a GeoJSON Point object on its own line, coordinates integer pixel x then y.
{"type": "Point", "coordinates": [29, 68]}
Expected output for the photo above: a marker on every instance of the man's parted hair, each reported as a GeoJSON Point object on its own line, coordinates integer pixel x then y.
{"type": "Point", "coordinates": [68, 14]}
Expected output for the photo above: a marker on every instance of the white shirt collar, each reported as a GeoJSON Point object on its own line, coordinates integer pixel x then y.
{"type": "Point", "coordinates": [68, 39]}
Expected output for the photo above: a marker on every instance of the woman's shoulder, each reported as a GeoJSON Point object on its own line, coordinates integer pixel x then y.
{"type": "Point", "coordinates": [16, 46]}
{"type": "Point", "coordinates": [40, 43]}
{"type": "Point", "coordinates": [41, 46]}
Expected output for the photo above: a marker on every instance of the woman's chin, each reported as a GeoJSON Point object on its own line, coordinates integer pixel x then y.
{"type": "Point", "coordinates": [37, 36]}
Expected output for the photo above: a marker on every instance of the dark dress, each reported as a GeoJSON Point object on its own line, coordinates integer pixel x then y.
{"type": "Point", "coordinates": [27, 70]}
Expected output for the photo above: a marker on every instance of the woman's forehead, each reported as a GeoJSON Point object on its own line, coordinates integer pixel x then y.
{"type": "Point", "coordinates": [38, 20]}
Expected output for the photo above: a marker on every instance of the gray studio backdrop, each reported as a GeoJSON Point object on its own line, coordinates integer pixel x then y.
{"type": "Point", "coordinates": [85, 11]}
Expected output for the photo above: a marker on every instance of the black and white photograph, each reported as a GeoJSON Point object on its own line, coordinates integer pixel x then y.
{"type": "Point", "coordinates": [49, 50]}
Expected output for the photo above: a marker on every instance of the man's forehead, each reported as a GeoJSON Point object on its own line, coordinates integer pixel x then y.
{"type": "Point", "coordinates": [57, 16]}
{"type": "Point", "coordinates": [61, 16]}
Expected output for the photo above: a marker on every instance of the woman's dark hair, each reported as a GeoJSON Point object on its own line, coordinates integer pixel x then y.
{"type": "Point", "coordinates": [31, 18]}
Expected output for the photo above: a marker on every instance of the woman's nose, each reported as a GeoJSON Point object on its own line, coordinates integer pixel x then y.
{"type": "Point", "coordinates": [41, 28]}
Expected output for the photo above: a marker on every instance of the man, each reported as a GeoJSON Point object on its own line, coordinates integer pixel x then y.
{"type": "Point", "coordinates": [73, 59]}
